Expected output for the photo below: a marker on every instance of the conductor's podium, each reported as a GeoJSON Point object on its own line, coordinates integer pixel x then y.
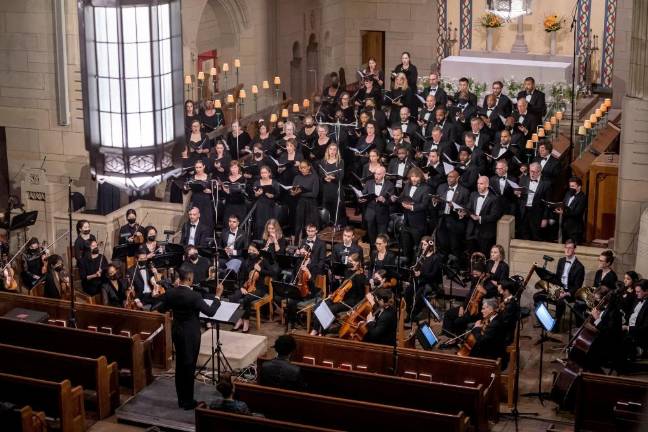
{"type": "Point", "coordinates": [240, 349]}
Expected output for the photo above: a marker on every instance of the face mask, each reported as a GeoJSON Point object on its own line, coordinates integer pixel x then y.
{"type": "Point", "coordinates": [95, 251]}
{"type": "Point", "coordinates": [151, 238]}
{"type": "Point", "coordinates": [350, 266]}
{"type": "Point", "coordinates": [376, 281]}
{"type": "Point", "coordinates": [58, 268]}
{"type": "Point", "coordinates": [141, 264]}
{"type": "Point", "coordinates": [193, 257]}
{"type": "Point", "coordinates": [131, 221]}
{"type": "Point", "coordinates": [574, 191]}
{"type": "Point", "coordinates": [87, 231]}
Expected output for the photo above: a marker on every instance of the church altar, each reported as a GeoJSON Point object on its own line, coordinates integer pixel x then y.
{"type": "Point", "coordinates": [487, 69]}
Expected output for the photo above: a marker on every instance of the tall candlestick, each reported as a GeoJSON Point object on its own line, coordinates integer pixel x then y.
{"type": "Point", "coordinates": [225, 67]}
{"type": "Point", "coordinates": [237, 63]}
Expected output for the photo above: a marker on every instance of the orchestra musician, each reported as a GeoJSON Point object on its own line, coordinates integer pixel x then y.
{"type": "Point", "coordinates": [427, 278]}
{"type": "Point", "coordinates": [359, 286]}
{"type": "Point", "coordinates": [82, 242]}
{"type": "Point", "coordinates": [570, 274]}
{"type": "Point", "coordinates": [273, 238]}
{"type": "Point", "coordinates": [143, 279]}
{"type": "Point", "coordinates": [195, 232]}
{"type": "Point", "coordinates": [605, 276]}
{"type": "Point", "coordinates": [573, 211]}
{"type": "Point", "coordinates": [91, 269]}
{"type": "Point", "coordinates": [154, 248]}
{"type": "Point", "coordinates": [376, 214]}
{"type": "Point", "coordinates": [607, 348]}
{"type": "Point", "coordinates": [254, 270]}
{"type": "Point", "coordinates": [32, 263]}
{"type": "Point", "coordinates": [636, 323]}
{"type": "Point", "coordinates": [234, 242]}
{"type": "Point", "coordinates": [57, 280]}
{"type": "Point", "coordinates": [628, 297]}
{"type": "Point", "coordinates": [266, 190]}
{"type": "Point", "coordinates": [509, 309]}
{"type": "Point", "coordinates": [113, 291]}
{"type": "Point", "coordinates": [496, 266]}
{"type": "Point", "coordinates": [349, 246]}
{"type": "Point", "coordinates": [127, 232]}
{"type": "Point", "coordinates": [381, 257]}
{"type": "Point", "coordinates": [199, 265]}
{"type": "Point", "coordinates": [382, 321]}
{"type": "Point", "coordinates": [489, 331]}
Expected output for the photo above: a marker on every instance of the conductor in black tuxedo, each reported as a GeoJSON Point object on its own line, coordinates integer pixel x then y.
{"type": "Point", "coordinates": [186, 305]}
{"type": "Point", "coordinates": [573, 211]}
{"type": "Point", "coordinates": [485, 211]}
{"type": "Point", "coordinates": [194, 232]}
{"type": "Point", "coordinates": [570, 274]}
{"type": "Point", "coordinates": [414, 202]}
{"type": "Point", "coordinates": [535, 98]}
{"type": "Point", "coordinates": [376, 214]}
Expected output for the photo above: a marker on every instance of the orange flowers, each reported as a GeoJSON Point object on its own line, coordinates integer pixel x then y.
{"type": "Point", "coordinates": [490, 20]}
{"type": "Point", "coordinates": [553, 23]}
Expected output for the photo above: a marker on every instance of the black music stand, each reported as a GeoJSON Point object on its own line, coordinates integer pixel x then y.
{"type": "Point", "coordinates": [167, 260]}
{"type": "Point", "coordinates": [23, 220]}
{"type": "Point", "coordinates": [287, 291]}
{"type": "Point", "coordinates": [226, 316]}
{"type": "Point", "coordinates": [453, 277]}
{"type": "Point", "coordinates": [123, 251]}
{"type": "Point", "coordinates": [547, 322]}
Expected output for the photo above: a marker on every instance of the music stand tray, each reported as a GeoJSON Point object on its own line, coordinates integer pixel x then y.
{"type": "Point", "coordinates": [123, 251]}
{"type": "Point", "coordinates": [286, 290]}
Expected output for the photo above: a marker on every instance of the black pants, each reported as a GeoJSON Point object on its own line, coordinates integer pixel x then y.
{"type": "Point", "coordinates": [377, 222]}
{"type": "Point", "coordinates": [452, 236]}
{"type": "Point", "coordinates": [305, 213]}
{"type": "Point", "coordinates": [454, 325]}
{"type": "Point", "coordinates": [186, 339]}
{"type": "Point", "coordinates": [410, 238]}
{"type": "Point", "coordinates": [335, 309]}
{"type": "Point", "coordinates": [246, 301]}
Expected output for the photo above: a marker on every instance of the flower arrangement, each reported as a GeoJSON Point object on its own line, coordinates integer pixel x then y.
{"type": "Point", "coordinates": [490, 20]}
{"type": "Point", "coordinates": [553, 23]}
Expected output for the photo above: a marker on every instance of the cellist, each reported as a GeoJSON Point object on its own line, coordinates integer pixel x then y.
{"type": "Point", "coordinates": [382, 322]}
{"type": "Point", "coordinates": [255, 268]}
{"type": "Point", "coordinates": [489, 332]}
{"type": "Point", "coordinates": [350, 292]}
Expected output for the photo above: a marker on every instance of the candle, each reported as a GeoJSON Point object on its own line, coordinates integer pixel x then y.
{"type": "Point", "coordinates": [548, 126]}
{"type": "Point", "coordinates": [265, 84]}
{"type": "Point", "coordinates": [529, 144]}
{"type": "Point", "coordinates": [588, 124]}
{"type": "Point", "coordinates": [559, 115]}
{"type": "Point", "coordinates": [284, 113]}
{"type": "Point", "coordinates": [217, 103]}
{"type": "Point", "coordinates": [593, 118]}
{"type": "Point", "coordinates": [201, 76]}
{"type": "Point", "coordinates": [212, 71]}
{"type": "Point", "coordinates": [255, 89]}
{"type": "Point", "coordinates": [188, 79]}
{"type": "Point", "coordinates": [242, 94]}
{"type": "Point", "coordinates": [603, 108]}
{"type": "Point", "coordinates": [295, 108]}
{"type": "Point", "coordinates": [225, 67]}
{"type": "Point", "coordinates": [541, 133]}
{"type": "Point", "coordinates": [598, 113]}
{"type": "Point", "coordinates": [277, 81]}
{"type": "Point", "coordinates": [608, 102]}
{"type": "Point", "coordinates": [237, 63]}
{"type": "Point", "coordinates": [534, 137]}
{"type": "Point", "coordinates": [230, 99]}
{"type": "Point", "coordinates": [306, 103]}
{"type": "Point", "coordinates": [273, 117]}
{"type": "Point", "coordinates": [553, 120]}
{"type": "Point", "coordinates": [582, 131]}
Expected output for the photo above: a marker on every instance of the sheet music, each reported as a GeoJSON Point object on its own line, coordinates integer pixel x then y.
{"type": "Point", "coordinates": [513, 184]}
{"type": "Point", "coordinates": [284, 186]}
{"type": "Point", "coordinates": [448, 168]}
{"type": "Point", "coordinates": [223, 313]}
{"type": "Point", "coordinates": [420, 98]}
{"type": "Point", "coordinates": [356, 191]}
{"type": "Point", "coordinates": [324, 315]}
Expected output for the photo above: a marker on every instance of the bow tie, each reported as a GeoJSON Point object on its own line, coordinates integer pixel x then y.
{"type": "Point", "coordinates": [502, 178]}
{"type": "Point", "coordinates": [545, 158]}
{"type": "Point", "coordinates": [451, 189]}
{"type": "Point", "coordinates": [533, 181]}
{"type": "Point", "coordinates": [379, 184]}
{"type": "Point", "coordinates": [482, 196]}
{"type": "Point", "coordinates": [192, 226]}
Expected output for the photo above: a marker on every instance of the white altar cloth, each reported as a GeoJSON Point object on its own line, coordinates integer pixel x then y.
{"type": "Point", "coordinates": [487, 70]}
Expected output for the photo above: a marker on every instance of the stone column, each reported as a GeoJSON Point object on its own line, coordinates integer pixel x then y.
{"type": "Point", "coordinates": [632, 198]}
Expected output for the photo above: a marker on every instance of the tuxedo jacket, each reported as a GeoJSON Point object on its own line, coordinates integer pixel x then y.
{"type": "Point", "coordinates": [138, 280]}
{"type": "Point", "coordinates": [483, 139]}
{"type": "Point", "coordinates": [529, 121]}
{"type": "Point", "coordinates": [387, 190]}
{"type": "Point", "coordinates": [201, 237]}
{"type": "Point", "coordinates": [573, 215]}
{"type": "Point", "coordinates": [410, 130]}
{"type": "Point", "coordinates": [444, 147]}
{"type": "Point", "coordinates": [495, 118]}
{"type": "Point", "coordinates": [317, 257]}
{"type": "Point", "coordinates": [383, 329]}
{"type": "Point", "coordinates": [504, 104]}
{"type": "Point", "coordinates": [537, 105]}
{"type": "Point", "coordinates": [508, 199]}
{"type": "Point", "coordinates": [490, 213]}
{"type": "Point", "coordinates": [240, 242]}
{"type": "Point", "coordinates": [461, 196]}
{"type": "Point", "coordinates": [492, 342]}
{"type": "Point", "coordinates": [640, 330]}
{"type": "Point", "coordinates": [435, 177]}
{"type": "Point", "coordinates": [440, 96]}
{"type": "Point", "coordinates": [542, 191]}
{"type": "Point", "coordinates": [469, 175]}
{"type": "Point", "coordinates": [340, 251]}
{"type": "Point", "coordinates": [417, 217]}
{"type": "Point", "coordinates": [448, 131]}
{"type": "Point", "coordinates": [551, 169]}
{"type": "Point", "coordinates": [575, 277]}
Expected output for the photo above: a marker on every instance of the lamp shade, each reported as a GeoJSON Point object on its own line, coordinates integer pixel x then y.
{"type": "Point", "coordinates": [593, 118]}
{"type": "Point", "coordinates": [559, 115]}
{"type": "Point", "coordinates": [588, 124]}
{"type": "Point", "coordinates": [547, 126]}
{"type": "Point", "coordinates": [608, 102]}
{"type": "Point", "coordinates": [598, 113]}
{"type": "Point", "coordinates": [582, 131]}
{"type": "Point", "coordinates": [541, 132]}
{"type": "Point", "coordinates": [295, 108]}
{"type": "Point", "coordinates": [230, 99]}
{"type": "Point", "coordinates": [225, 67]}
{"type": "Point", "coordinates": [217, 104]}
{"type": "Point", "coordinates": [306, 103]}
{"type": "Point", "coordinates": [265, 84]}
{"type": "Point", "coordinates": [284, 113]}
{"type": "Point", "coordinates": [255, 89]}
{"type": "Point", "coordinates": [277, 81]}
{"type": "Point", "coordinates": [212, 71]}
{"type": "Point", "coordinates": [201, 75]}
{"type": "Point", "coordinates": [242, 94]}
{"type": "Point", "coordinates": [237, 63]}
{"type": "Point", "coordinates": [273, 118]}
{"type": "Point", "coordinates": [188, 79]}
{"type": "Point", "coordinates": [529, 144]}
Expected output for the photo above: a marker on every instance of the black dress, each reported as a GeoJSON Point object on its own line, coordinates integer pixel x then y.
{"type": "Point", "coordinates": [223, 162]}
{"type": "Point", "coordinates": [330, 190]}
{"type": "Point", "coordinates": [192, 146]}
{"type": "Point", "coordinates": [501, 273]}
{"type": "Point", "coordinates": [89, 266]}
{"type": "Point", "coordinates": [82, 246]}
{"type": "Point", "coordinates": [388, 261]}
{"type": "Point", "coordinates": [319, 150]}
{"type": "Point", "coordinates": [235, 201]}
{"type": "Point", "coordinates": [609, 280]}
{"type": "Point", "coordinates": [212, 122]}
{"type": "Point", "coordinates": [266, 208]}
{"type": "Point", "coordinates": [203, 200]}
{"type": "Point", "coordinates": [407, 99]}
{"type": "Point", "coordinates": [233, 143]}
{"type": "Point", "coordinates": [306, 209]}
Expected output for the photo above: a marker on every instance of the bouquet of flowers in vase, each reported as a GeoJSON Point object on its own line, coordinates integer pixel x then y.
{"type": "Point", "coordinates": [490, 20]}
{"type": "Point", "coordinates": [553, 23]}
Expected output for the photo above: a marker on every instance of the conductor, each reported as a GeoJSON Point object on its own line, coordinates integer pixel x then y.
{"type": "Point", "coordinates": [185, 332]}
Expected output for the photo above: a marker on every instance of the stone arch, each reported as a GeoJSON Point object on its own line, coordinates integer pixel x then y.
{"type": "Point", "coordinates": [296, 72]}
{"type": "Point", "coordinates": [312, 65]}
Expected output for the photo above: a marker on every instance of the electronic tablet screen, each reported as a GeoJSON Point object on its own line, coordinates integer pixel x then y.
{"type": "Point", "coordinates": [545, 317]}
{"type": "Point", "coordinates": [426, 336]}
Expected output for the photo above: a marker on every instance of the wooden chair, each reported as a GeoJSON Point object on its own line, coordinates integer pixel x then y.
{"type": "Point", "coordinates": [320, 283]}
{"type": "Point", "coordinates": [508, 377]}
{"type": "Point", "coordinates": [266, 300]}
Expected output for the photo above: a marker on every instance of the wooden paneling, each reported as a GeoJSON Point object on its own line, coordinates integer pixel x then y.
{"type": "Point", "coordinates": [602, 194]}
{"type": "Point", "coordinates": [373, 45]}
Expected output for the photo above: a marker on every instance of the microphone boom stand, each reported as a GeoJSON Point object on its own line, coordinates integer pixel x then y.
{"type": "Point", "coordinates": [72, 318]}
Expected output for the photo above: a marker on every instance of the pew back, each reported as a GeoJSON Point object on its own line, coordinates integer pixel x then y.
{"type": "Point", "coordinates": [211, 420]}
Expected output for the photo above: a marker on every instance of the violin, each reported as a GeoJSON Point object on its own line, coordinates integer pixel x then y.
{"type": "Point", "coordinates": [303, 276]}
{"type": "Point", "coordinates": [158, 289]}
{"type": "Point", "coordinates": [355, 324]}
{"type": "Point", "coordinates": [130, 302]}
{"type": "Point", "coordinates": [8, 275]}
{"type": "Point", "coordinates": [253, 277]}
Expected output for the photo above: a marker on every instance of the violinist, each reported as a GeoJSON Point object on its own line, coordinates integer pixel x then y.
{"type": "Point", "coordinates": [254, 270]}
{"type": "Point", "coordinates": [350, 292]}
{"type": "Point", "coordinates": [154, 248]}
{"type": "Point", "coordinates": [427, 278]}
{"type": "Point", "coordinates": [233, 240]}
{"type": "Point", "coordinates": [57, 280]}
{"type": "Point", "coordinates": [382, 258]}
{"type": "Point", "coordinates": [91, 268]}
{"type": "Point", "coordinates": [199, 265]}
{"type": "Point", "coordinates": [489, 332]}
{"type": "Point", "coordinates": [113, 291]}
{"type": "Point", "coordinates": [142, 278]}
{"type": "Point", "coordinates": [380, 279]}
{"type": "Point", "coordinates": [32, 264]}
{"type": "Point", "coordinates": [317, 250]}
{"type": "Point", "coordinates": [606, 348]}
{"type": "Point", "coordinates": [127, 232]}
{"type": "Point", "coordinates": [382, 322]}
{"type": "Point", "coordinates": [82, 242]}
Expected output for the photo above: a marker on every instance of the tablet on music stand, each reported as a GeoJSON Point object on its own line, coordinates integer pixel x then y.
{"type": "Point", "coordinates": [226, 312]}
{"type": "Point", "coordinates": [432, 310]}
{"type": "Point", "coordinates": [324, 315]}
{"type": "Point", "coordinates": [426, 337]}
{"type": "Point", "coordinates": [544, 316]}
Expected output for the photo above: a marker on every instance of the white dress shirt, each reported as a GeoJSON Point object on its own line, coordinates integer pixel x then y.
{"type": "Point", "coordinates": [480, 203]}
{"type": "Point", "coordinates": [635, 313]}
{"type": "Point", "coordinates": [192, 233]}
{"type": "Point", "coordinates": [449, 196]}
{"type": "Point", "coordinates": [147, 286]}
{"type": "Point", "coordinates": [564, 278]}
{"type": "Point", "coordinates": [533, 187]}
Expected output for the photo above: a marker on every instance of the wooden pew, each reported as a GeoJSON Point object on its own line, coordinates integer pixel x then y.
{"type": "Point", "coordinates": [396, 391]}
{"type": "Point", "coordinates": [208, 420]}
{"type": "Point", "coordinates": [598, 398]}
{"type": "Point", "coordinates": [412, 363]}
{"type": "Point", "coordinates": [118, 319]}
{"type": "Point", "coordinates": [58, 399]}
{"type": "Point", "coordinates": [128, 352]}
{"type": "Point", "coordinates": [90, 373]}
{"type": "Point", "coordinates": [24, 420]}
{"type": "Point", "coordinates": [344, 414]}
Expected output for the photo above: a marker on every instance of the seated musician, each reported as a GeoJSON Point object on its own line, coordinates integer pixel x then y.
{"type": "Point", "coordinates": [226, 390]}
{"type": "Point", "coordinates": [376, 214]}
{"type": "Point", "coordinates": [57, 280]}
{"type": "Point", "coordinates": [279, 372]}
{"type": "Point", "coordinates": [82, 242]}
{"type": "Point", "coordinates": [194, 232]}
{"type": "Point", "coordinates": [496, 266]}
{"type": "Point", "coordinates": [606, 349]}
{"type": "Point", "coordinates": [199, 265]}
{"type": "Point", "coordinates": [113, 291]}
{"type": "Point", "coordinates": [570, 274]}
{"type": "Point", "coordinates": [233, 241]}
{"type": "Point", "coordinates": [381, 324]}
{"type": "Point", "coordinates": [627, 292]}
{"type": "Point", "coordinates": [345, 297]}
{"type": "Point", "coordinates": [317, 249]}
{"type": "Point", "coordinates": [142, 279]}
{"type": "Point", "coordinates": [152, 245]}
{"type": "Point", "coordinates": [427, 278]}
{"type": "Point", "coordinates": [127, 232]}
{"type": "Point", "coordinates": [414, 201]}
{"type": "Point", "coordinates": [605, 276]}
{"type": "Point", "coordinates": [254, 271]}
{"type": "Point", "coordinates": [91, 268]}
{"type": "Point", "coordinates": [489, 331]}
{"type": "Point", "coordinates": [457, 319]}
{"type": "Point", "coordinates": [381, 258]}
{"type": "Point", "coordinates": [509, 308]}
{"type": "Point", "coordinates": [32, 264]}
{"type": "Point", "coordinates": [636, 325]}
{"type": "Point", "coordinates": [382, 279]}
{"type": "Point", "coordinates": [349, 246]}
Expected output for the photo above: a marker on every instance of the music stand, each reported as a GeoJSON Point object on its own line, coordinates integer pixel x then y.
{"type": "Point", "coordinates": [167, 260]}
{"type": "Point", "coordinates": [547, 322]}
{"type": "Point", "coordinates": [324, 315]}
{"type": "Point", "coordinates": [123, 251]}
{"type": "Point", "coordinates": [426, 337]}
{"type": "Point", "coordinates": [453, 276]}
{"type": "Point", "coordinates": [287, 291]}
{"type": "Point", "coordinates": [23, 220]}
{"type": "Point", "coordinates": [227, 313]}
